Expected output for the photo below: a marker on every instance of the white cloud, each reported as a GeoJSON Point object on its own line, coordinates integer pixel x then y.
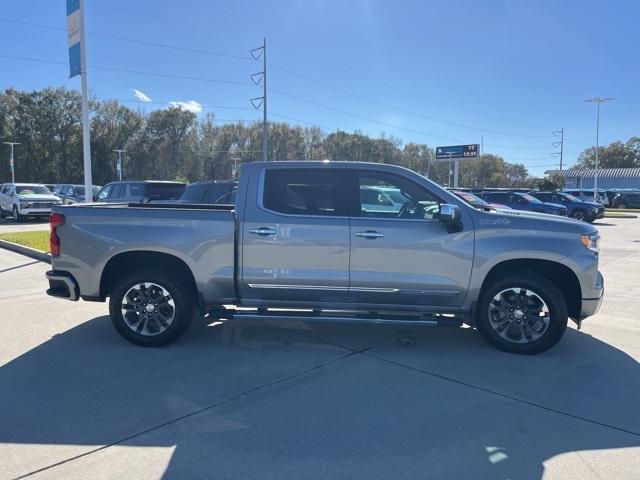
{"type": "Point", "coordinates": [189, 105]}
{"type": "Point", "coordinates": [140, 95]}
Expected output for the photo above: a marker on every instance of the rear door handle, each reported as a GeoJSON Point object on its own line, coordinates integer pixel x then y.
{"type": "Point", "coordinates": [370, 234]}
{"type": "Point", "coordinates": [263, 231]}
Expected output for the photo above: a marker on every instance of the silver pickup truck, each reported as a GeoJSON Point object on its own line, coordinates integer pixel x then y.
{"type": "Point", "coordinates": [309, 240]}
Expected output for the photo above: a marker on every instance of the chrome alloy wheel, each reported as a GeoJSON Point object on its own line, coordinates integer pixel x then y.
{"type": "Point", "coordinates": [519, 315]}
{"type": "Point", "coordinates": [148, 309]}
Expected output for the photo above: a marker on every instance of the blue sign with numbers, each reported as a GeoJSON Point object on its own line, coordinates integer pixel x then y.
{"type": "Point", "coordinates": [457, 151]}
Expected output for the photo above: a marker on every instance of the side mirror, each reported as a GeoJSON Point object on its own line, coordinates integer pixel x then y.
{"type": "Point", "coordinates": [450, 216]}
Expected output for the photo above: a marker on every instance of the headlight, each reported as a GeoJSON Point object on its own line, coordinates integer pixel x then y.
{"type": "Point", "coordinates": [24, 205]}
{"type": "Point", "coordinates": [594, 210]}
{"type": "Point", "coordinates": [591, 241]}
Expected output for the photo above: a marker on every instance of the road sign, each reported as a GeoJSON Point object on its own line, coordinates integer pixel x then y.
{"type": "Point", "coordinates": [457, 152]}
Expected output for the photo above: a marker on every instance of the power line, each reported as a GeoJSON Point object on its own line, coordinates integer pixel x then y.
{"type": "Point", "coordinates": [400, 109]}
{"type": "Point", "coordinates": [131, 40]}
{"type": "Point", "coordinates": [386, 124]}
{"type": "Point", "coordinates": [136, 72]}
{"type": "Point", "coordinates": [289, 72]}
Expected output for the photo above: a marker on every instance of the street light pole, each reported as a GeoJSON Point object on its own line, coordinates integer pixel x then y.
{"type": "Point", "coordinates": [597, 101]}
{"type": "Point", "coordinates": [11, 163]}
{"type": "Point", "coordinates": [119, 164]}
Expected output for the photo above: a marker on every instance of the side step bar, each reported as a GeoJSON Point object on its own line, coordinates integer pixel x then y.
{"type": "Point", "coordinates": [432, 320]}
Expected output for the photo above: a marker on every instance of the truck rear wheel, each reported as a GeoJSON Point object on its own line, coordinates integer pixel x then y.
{"type": "Point", "coordinates": [151, 308]}
{"type": "Point", "coordinates": [522, 313]}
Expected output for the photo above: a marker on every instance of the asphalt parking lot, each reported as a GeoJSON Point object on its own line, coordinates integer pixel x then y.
{"type": "Point", "coordinates": [244, 399]}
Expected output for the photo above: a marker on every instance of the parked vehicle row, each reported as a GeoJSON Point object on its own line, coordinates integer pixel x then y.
{"type": "Point", "coordinates": [140, 191]}
{"type": "Point", "coordinates": [26, 200]}
{"type": "Point", "coordinates": [524, 201]}
{"type": "Point", "coordinates": [70, 193]}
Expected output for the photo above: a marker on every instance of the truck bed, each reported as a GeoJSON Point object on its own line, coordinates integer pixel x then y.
{"type": "Point", "coordinates": [202, 236]}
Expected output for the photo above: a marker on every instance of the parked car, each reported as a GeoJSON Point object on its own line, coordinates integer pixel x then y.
{"type": "Point", "coordinates": [140, 191]}
{"type": "Point", "coordinates": [23, 200]}
{"type": "Point", "coordinates": [586, 195]}
{"type": "Point", "coordinates": [74, 193]}
{"type": "Point", "coordinates": [576, 208]}
{"type": "Point", "coordinates": [476, 202]}
{"type": "Point", "coordinates": [524, 201]}
{"type": "Point", "coordinates": [626, 200]}
{"type": "Point", "coordinates": [213, 191]}
{"type": "Point", "coordinates": [299, 237]}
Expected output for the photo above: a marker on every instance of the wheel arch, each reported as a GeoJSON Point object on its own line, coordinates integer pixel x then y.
{"type": "Point", "coordinates": [125, 262]}
{"type": "Point", "coordinates": [560, 275]}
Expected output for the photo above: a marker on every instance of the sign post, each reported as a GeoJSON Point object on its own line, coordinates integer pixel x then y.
{"type": "Point", "coordinates": [457, 152]}
{"type": "Point", "coordinates": [78, 66]}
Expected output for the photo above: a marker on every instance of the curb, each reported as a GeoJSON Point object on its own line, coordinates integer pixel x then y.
{"type": "Point", "coordinates": [26, 251]}
{"type": "Point", "coordinates": [620, 216]}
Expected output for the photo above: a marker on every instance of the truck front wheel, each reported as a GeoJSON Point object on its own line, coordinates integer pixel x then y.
{"type": "Point", "coordinates": [151, 308]}
{"type": "Point", "coordinates": [522, 312]}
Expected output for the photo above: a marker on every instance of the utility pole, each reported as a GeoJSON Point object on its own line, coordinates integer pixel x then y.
{"type": "Point", "coordinates": [450, 171]}
{"type": "Point", "coordinates": [11, 163]}
{"type": "Point", "coordinates": [256, 78]}
{"type": "Point", "coordinates": [560, 144]}
{"type": "Point", "coordinates": [119, 164]}
{"type": "Point", "coordinates": [597, 101]}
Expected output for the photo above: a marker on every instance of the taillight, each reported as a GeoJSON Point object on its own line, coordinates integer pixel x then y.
{"type": "Point", "coordinates": [55, 220]}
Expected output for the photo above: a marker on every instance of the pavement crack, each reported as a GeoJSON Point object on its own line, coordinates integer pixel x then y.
{"type": "Point", "coordinates": [198, 411]}
{"type": "Point", "coordinates": [504, 395]}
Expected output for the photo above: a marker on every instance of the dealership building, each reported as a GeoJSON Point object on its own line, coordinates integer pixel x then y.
{"type": "Point", "coordinates": [608, 178]}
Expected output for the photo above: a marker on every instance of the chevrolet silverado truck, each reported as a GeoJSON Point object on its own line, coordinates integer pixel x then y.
{"type": "Point", "coordinates": [300, 243]}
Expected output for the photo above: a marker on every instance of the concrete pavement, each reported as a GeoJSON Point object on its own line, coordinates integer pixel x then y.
{"type": "Point", "coordinates": [244, 399]}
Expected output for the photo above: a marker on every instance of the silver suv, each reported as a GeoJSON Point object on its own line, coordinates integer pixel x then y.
{"type": "Point", "coordinates": [22, 200]}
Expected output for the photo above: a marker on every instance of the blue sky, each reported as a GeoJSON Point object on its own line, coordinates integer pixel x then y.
{"type": "Point", "coordinates": [440, 73]}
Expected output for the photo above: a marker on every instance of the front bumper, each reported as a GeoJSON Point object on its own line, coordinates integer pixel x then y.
{"type": "Point", "coordinates": [591, 306]}
{"type": "Point", "coordinates": [62, 285]}
{"type": "Point", "coordinates": [33, 212]}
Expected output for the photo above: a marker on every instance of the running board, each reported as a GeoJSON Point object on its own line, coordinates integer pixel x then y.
{"type": "Point", "coordinates": [432, 320]}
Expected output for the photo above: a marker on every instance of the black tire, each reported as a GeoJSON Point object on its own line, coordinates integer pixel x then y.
{"type": "Point", "coordinates": [181, 293]}
{"type": "Point", "coordinates": [16, 215]}
{"type": "Point", "coordinates": [579, 214]}
{"type": "Point", "coordinates": [546, 290]}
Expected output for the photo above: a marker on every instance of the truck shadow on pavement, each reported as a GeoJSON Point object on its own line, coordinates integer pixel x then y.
{"type": "Point", "coordinates": [244, 399]}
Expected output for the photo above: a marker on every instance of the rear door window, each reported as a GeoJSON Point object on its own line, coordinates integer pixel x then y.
{"type": "Point", "coordinates": [164, 191]}
{"type": "Point", "coordinates": [309, 191]}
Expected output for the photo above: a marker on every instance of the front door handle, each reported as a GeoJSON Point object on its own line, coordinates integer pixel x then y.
{"type": "Point", "coordinates": [370, 234]}
{"type": "Point", "coordinates": [263, 231]}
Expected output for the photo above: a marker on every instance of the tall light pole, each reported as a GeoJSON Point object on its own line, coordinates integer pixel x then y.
{"type": "Point", "coordinates": [119, 164]}
{"type": "Point", "coordinates": [11, 163]}
{"type": "Point", "coordinates": [597, 101]}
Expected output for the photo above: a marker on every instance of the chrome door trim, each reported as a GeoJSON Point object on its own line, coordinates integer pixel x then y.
{"type": "Point", "coordinates": [369, 234]}
{"type": "Point", "coordinates": [298, 287]}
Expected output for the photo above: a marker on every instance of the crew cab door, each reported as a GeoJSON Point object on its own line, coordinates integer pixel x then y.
{"type": "Point", "coordinates": [295, 236]}
{"type": "Point", "coordinates": [404, 255]}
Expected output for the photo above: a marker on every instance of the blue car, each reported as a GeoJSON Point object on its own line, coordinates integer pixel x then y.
{"type": "Point", "coordinates": [523, 201]}
{"type": "Point", "coordinates": [576, 208]}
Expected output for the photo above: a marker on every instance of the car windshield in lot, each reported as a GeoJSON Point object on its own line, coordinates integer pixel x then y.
{"type": "Point", "coordinates": [471, 199]}
{"type": "Point", "coordinates": [168, 191]}
{"type": "Point", "coordinates": [529, 198]}
{"type": "Point", "coordinates": [32, 190]}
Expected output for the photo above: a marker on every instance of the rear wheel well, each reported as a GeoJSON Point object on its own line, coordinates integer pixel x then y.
{"type": "Point", "coordinates": [126, 262]}
{"type": "Point", "coordinates": [560, 275]}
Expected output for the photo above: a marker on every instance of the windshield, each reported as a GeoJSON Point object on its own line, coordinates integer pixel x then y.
{"type": "Point", "coordinates": [471, 199]}
{"type": "Point", "coordinates": [32, 190]}
{"type": "Point", "coordinates": [529, 198]}
{"type": "Point", "coordinates": [570, 197]}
